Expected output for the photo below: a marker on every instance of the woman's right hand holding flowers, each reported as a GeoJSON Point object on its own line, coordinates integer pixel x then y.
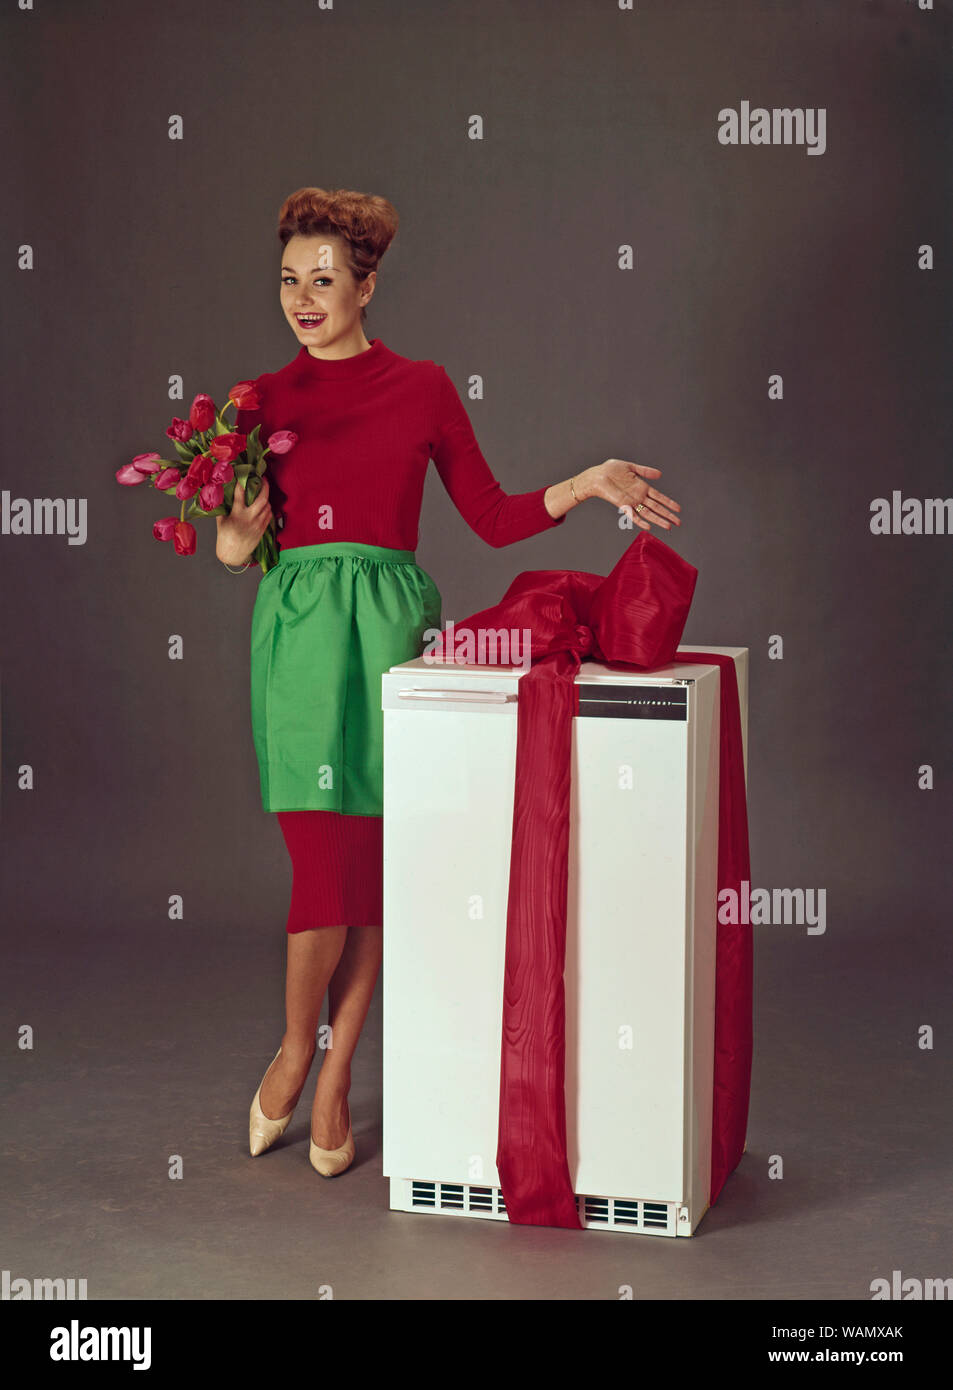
{"type": "Point", "coordinates": [240, 531]}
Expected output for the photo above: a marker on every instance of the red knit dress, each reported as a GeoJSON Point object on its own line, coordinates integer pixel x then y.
{"type": "Point", "coordinates": [367, 427]}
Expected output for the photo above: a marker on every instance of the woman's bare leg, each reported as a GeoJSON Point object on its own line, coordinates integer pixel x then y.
{"type": "Point", "coordinates": [312, 959]}
{"type": "Point", "coordinates": [349, 996]}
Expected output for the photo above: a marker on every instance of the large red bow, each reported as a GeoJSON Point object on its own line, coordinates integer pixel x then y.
{"type": "Point", "coordinates": [633, 617]}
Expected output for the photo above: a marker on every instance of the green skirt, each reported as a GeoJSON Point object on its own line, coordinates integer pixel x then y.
{"type": "Point", "coordinates": [328, 621]}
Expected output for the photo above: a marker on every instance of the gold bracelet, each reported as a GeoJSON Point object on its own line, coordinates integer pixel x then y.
{"type": "Point", "coordinates": [241, 571]}
{"type": "Point", "coordinates": [572, 489]}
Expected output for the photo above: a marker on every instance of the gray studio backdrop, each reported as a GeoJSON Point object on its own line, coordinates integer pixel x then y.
{"type": "Point", "coordinates": [574, 232]}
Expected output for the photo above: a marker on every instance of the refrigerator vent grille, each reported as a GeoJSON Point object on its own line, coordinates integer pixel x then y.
{"type": "Point", "coordinates": [621, 1213]}
{"type": "Point", "coordinates": [454, 1196]}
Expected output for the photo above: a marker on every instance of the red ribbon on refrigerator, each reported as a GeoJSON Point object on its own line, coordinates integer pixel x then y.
{"type": "Point", "coordinates": [633, 617]}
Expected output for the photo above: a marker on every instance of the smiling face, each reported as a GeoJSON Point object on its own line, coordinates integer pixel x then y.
{"type": "Point", "coordinates": [317, 285]}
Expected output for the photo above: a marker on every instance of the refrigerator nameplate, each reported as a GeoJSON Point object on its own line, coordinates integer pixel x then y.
{"type": "Point", "coordinates": [632, 702]}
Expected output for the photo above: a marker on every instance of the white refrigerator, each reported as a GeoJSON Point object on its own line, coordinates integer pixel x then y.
{"type": "Point", "coordinates": [640, 946]}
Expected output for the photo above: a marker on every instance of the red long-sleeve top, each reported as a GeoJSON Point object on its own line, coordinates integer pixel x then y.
{"type": "Point", "coordinates": [367, 427]}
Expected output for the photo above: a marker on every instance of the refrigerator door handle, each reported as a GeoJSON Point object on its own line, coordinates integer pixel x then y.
{"type": "Point", "coordinates": [470, 697]}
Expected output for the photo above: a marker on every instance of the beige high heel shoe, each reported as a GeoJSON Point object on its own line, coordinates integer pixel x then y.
{"type": "Point", "coordinates": [330, 1162]}
{"type": "Point", "coordinates": [263, 1131]}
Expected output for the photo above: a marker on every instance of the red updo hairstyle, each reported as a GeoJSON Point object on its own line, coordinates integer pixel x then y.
{"type": "Point", "coordinates": [366, 223]}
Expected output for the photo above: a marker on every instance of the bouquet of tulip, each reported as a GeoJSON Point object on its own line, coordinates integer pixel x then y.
{"type": "Point", "coordinates": [211, 459]}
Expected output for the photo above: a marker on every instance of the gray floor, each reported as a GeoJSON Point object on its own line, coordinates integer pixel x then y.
{"type": "Point", "coordinates": [151, 1044]}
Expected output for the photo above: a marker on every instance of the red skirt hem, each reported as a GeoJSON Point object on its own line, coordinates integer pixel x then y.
{"type": "Point", "coordinates": [338, 869]}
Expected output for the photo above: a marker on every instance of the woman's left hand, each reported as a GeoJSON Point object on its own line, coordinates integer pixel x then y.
{"type": "Point", "coordinates": [624, 485]}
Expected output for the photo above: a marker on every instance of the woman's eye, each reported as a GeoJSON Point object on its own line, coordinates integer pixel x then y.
{"type": "Point", "coordinates": [322, 279]}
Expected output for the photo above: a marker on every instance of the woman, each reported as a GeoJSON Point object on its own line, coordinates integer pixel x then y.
{"type": "Point", "coordinates": [345, 602]}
